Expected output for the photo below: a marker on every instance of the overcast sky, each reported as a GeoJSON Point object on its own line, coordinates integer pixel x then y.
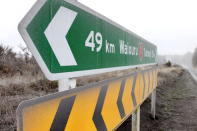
{"type": "Point", "coordinates": [170, 24]}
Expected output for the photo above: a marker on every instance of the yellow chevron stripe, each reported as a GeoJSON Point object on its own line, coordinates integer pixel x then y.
{"type": "Point", "coordinates": [110, 111]}
{"type": "Point", "coordinates": [146, 83]}
{"type": "Point", "coordinates": [156, 75]}
{"type": "Point", "coordinates": [141, 86]}
{"type": "Point", "coordinates": [155, 79]}
{"type": "Point", "coordinates": [81, 119]}
{"type": "Point", "coordinates": [126, 99]}
{"type": "Point", "coordinates": [137, 89]}
{"type": "Point", "coordinates": [151, 81]}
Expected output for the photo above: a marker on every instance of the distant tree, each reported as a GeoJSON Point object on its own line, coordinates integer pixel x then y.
{"type": "Point", "coordinates": [194, 59]}
{"type": "Point", "coordinates": [12, 63]}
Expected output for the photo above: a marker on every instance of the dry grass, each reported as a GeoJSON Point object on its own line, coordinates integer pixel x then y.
{"type": "Point", "coordinates": [12, 95]}
{"type": "Point", "coordinates": [20, 79]}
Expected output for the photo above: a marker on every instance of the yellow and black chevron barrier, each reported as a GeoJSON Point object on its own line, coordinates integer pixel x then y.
{"type": "Point", "coordinates": [97, 107]}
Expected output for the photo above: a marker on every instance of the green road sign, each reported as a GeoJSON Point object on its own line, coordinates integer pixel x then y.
{"type": "Point", "coordinates": [68, 40]}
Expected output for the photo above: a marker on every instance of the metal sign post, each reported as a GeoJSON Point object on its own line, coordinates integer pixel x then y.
{"type": "Point", "coordinates": [66, 84]}
{"type": "Point", "coordinates": [136, 120]}
{"type": "Point", "coordinates": [153, 104]}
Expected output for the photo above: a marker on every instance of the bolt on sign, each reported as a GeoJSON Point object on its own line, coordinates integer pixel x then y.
{"type": "Point", "coordinates": [69, 39]}
{"type": "Point", "coordinates": [101, 106]}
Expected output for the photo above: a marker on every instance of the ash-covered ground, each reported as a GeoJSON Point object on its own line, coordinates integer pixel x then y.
{"type": "Point", "coordinates": [176, 105]}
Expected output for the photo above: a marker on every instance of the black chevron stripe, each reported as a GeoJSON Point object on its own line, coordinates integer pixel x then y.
{"type": "Point", "coordinates": [62, 114]}
{"type": "Point", "coordinates": [133, 91]}
{"type": "Point", "coordinates": [119, 101]}
{"type": "Point", "coordinates": [97, 117]}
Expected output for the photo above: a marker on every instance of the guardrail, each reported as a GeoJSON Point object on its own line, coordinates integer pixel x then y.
{"type": "Point", "coordinates": [101, 106]}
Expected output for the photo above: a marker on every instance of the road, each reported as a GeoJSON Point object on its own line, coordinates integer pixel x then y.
{"type": "Point", "coordinates": [191, 70]}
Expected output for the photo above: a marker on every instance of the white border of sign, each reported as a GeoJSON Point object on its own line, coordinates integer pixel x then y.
{"type": "Point", "coordinates": [58, 76]}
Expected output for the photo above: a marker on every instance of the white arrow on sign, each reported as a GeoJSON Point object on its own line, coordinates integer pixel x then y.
{"type": "Point", "coordinates": [55, 34]}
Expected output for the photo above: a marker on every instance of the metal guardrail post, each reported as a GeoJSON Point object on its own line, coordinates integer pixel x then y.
{"type": "Point", "coordinates": [136, 120]}
{"type": "Point", "coordinates": [153, 103]}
